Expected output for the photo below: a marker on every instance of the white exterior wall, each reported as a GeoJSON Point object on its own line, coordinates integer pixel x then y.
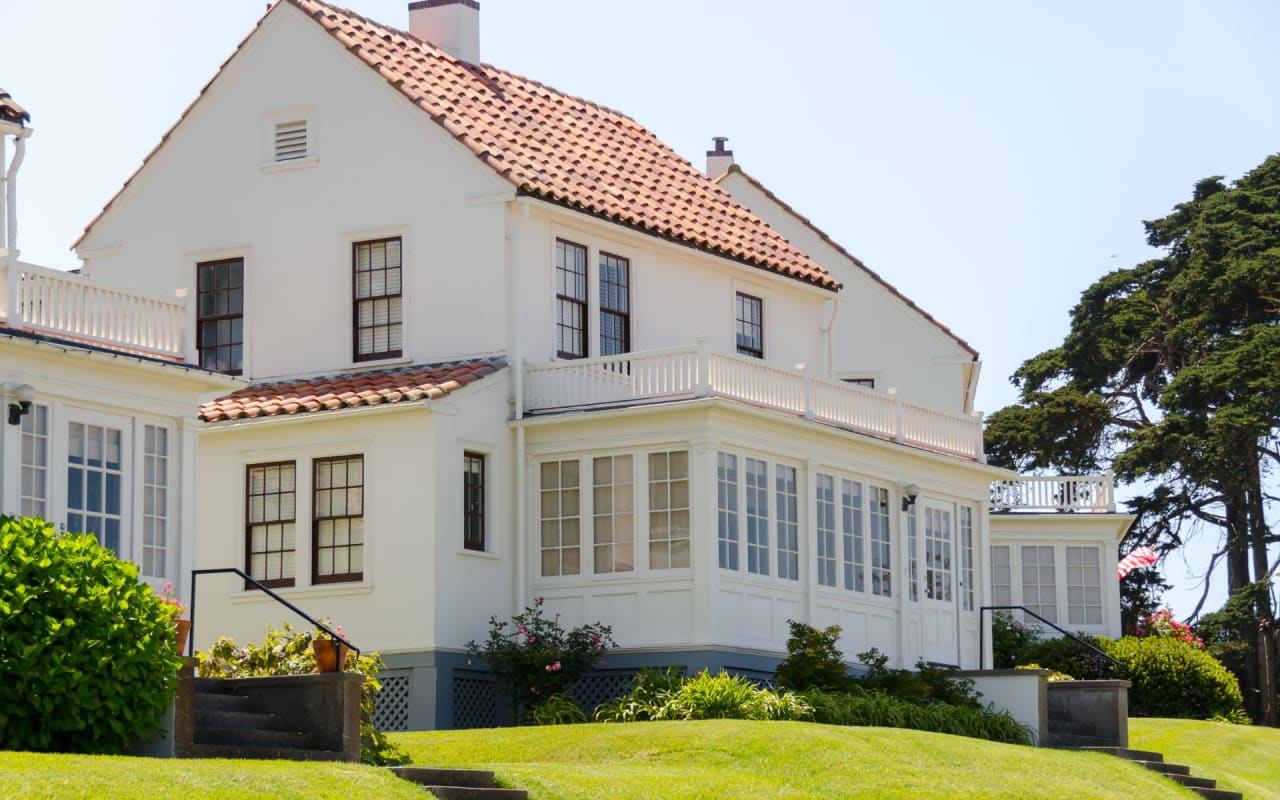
{"type": "Point", "coordinates": [877, 335]}
{"type": "Point", "coordinates": [420, 589]}
{"type": "Point", "coordinates": [381, 168]}
{"type": "Point", "coordinates": [120, 393]}
{"type": "Point", "coordinates": [1059, 531]}
{"type": "Point", "coordinates": [707, 606]}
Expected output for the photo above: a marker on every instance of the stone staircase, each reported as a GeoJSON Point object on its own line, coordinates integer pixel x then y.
{"type": "Point", "coordinates": [459, 784]}
{"type": "Point", "coordinates": [1205, 787]}
{"type": "Point", "coordinates": [229, 724]}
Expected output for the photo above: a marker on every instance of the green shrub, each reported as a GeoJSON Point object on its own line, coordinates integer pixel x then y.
{"type": "Point", "coordinates": [287, 651]}
{"type": "Point", "coordinates": [813, 660]}
{"type": "Point", "coordinates": [704, 696]}
{"type": "Point", "coordinates": [869, 708]}
{"type": "Point", "coordinates": [1171, 678]}
{"type": "Point", "coordinates": [1067, 656]}
{"type": "Point", "coordinates": [558, 709]}
{"type": "Point", "coordinates": [649, 693]}
{"type": "Point", "coordinates": [923, 685]}
{"type": "Point", "coordinates": [87, 652]}
{"type": "Point", "coordinates": [1010, 641]}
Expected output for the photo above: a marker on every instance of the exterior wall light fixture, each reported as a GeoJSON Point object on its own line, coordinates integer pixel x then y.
{"type": "Point", "coordinates": [909, 494]}
{"type": "Point", "coordinates": [21, 405]}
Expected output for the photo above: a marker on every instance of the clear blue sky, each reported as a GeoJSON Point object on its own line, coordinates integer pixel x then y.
{"type": "Point", "coordinates": [990, 159]}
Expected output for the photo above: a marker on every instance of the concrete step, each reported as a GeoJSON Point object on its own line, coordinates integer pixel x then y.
{"type": "Point", "coordinates": [1166, 768]}
{"type": "Point", "coordinates": [474, 778]}
{"type": "Point", "coordinates": [206, 718]}
{"type": "Point", "coordinates": [475, 793]}
{"type": "Point", "coordinates": [220, 701]}
{"type": "Point", "coordinates": [1192, 782]}
{"type": "Point", "coordinates": [1076, 741]}
{"type": "Point", "coordinates": [253, 737]}
{"type": "Point", "coordinates": [1125, 752]}
{"type": "Point", "coordinates": [1217, 794]}
{"type": "Point", "coordinates": [238, 751]}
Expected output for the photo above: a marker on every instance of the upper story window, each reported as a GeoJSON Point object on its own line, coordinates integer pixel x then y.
{"type": "Point", "coordinates": [337, 537]}
{"type": "Point", "coordinates": [615, 305]}
{"type": "Point", "coordinates": [571, 300]}
{"type": "Point", "coordinates": [220, 315]}
{"type": "Point", "coordinates": [473, 489]}
{"type": "Point", "coordinates": [378, 313]}
{"type": "Point", "coordinates": [291, 140]}
{"type": "Point", "coordinates": [750, 325]}
{"type": "Point", "coordinates": [270, 510]}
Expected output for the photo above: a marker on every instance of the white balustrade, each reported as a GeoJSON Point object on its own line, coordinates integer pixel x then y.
{"type": "Point", "coordinates": [1092, 493]}
{"type": "Point", "coordinates": [687, 372]}
{"type": "Point", "coordinates": [64, 304]}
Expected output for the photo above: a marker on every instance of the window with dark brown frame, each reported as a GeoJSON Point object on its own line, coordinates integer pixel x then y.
{"type": "Point", "coordinates": [337, 513]}
{"type": "Point", "coordinates": [377, 316]}
{"type": "Point", "coordinates": [270, 537]}
{"type": "Point", "coordinates": [571, 300]}
{"type": "Point", "coordinates": [220, 315]}
{"type": "Point", "coordinates": [473, 517]}
{"type": "Point", "coordinates": [750, 326]}
{"type": "Point", "coordinates": [615, 305]}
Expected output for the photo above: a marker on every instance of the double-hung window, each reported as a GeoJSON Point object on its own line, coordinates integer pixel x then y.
{"type": "Point", "coordinates": [571, 300]}
{"type": "Point", "coordinates": [270, 535]}
{"type": "Point", "coordinates": [337, 535]}
{"type": "Point", "coordinates": [379, 310]}
{"type": "Point", "coordinates": [615, 305]}
{"type": "Point", "coordinates": [750, 325]}
{"type": "Point", "coordinates": [473, 517]}
{"type": "Point", "coordinates": [220, 315]}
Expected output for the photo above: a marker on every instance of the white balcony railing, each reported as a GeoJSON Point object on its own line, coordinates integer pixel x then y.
{"type": "Point", "coordinates": [67, 305]}
{"type": "Point", "coordinates": [688, 372]}
{"type": "Point", "coordinates": [1063, 493]}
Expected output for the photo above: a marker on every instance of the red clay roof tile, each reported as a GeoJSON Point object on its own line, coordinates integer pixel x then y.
{"type": "Point", "coordinates": [351, 390]}
{"type": "Point", "coordinates": [10, 111]}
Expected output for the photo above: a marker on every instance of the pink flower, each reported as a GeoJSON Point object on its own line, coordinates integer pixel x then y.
{"type": "Point", "coordinates": [538, 599]}
{"type": "Point", "coordinates": [553, 667]}
{"type": "Point", "coordinates": [522, 629]}
{"type": "Point", "coordinates": [468, 662]}
{"type": "Point", "coordinates": [533, 640]}
{"type": "Point", "coordinates": [533, 689]}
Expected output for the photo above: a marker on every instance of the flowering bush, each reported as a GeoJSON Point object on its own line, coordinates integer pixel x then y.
{"type": "Point", "coordinates": [1162, 623]}
{"type": "Point", "coordinates": [534, 658]}
{"type": "Point", "coordinates": [172, 604]}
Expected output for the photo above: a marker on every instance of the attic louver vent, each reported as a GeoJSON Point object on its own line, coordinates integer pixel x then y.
{"type": "Point", "coordinates": [291, 140]}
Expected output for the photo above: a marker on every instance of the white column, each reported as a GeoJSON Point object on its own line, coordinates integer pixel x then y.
{"type": "Point", "coordinates": [703, 552]}
{"type": "Point", "coordinates": [807, 539]}
{"type": "Point", "coordinates": [185, 509]}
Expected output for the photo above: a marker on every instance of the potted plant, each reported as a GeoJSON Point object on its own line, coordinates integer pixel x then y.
{"type": "Point", "coordinates": [330, 654]}
{"type": "Point", "coordinates": [182, 626]}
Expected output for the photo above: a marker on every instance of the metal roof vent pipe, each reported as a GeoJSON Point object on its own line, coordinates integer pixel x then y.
{"type": "Point", "coordinates": [719, 160]}
{"type": "Point", "coordinates": [452, 25]}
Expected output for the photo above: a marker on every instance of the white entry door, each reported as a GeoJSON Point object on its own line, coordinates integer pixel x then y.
{"type": "Point", "coordinates": [940, 595]}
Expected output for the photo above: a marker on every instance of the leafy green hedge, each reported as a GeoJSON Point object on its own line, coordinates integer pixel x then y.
{"type": "Point", "coordinates": [874, 708]}
{"type": "Point", "coordinates": [1171, 678]}
{"type": "Point", "coordinates": [87, 653]}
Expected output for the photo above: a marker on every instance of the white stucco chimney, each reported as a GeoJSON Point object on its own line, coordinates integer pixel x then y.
{"type": "Point", "coordinates": [453, 25]}
{"type": "Point", "coordinates": [719, 160]}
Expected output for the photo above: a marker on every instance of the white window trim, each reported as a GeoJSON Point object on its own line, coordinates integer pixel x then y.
{"type": "Point", "coordinates": [488, 452]}
{"type": "Point", "coordinates": [347, 240]}
{"type": "Point", "coordinates": [305, 114]}
{"type": "Point", "coordinates": [766, 316]}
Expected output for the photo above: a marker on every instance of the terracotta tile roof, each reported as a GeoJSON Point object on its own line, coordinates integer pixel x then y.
{"type": "Point", "coordinates": [10, 111]}
{"type": "Point", "coordinates": [561, 148]}
{"type": "Point", "coordinates": [875, 276]}
{"type": "Point", "coordinates": [350, 390]}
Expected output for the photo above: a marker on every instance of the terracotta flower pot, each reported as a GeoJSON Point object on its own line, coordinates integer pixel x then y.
{"type": "Point", "coordinates": [329, 654]}
{"type": "Point", "coordinates": [180, 636]}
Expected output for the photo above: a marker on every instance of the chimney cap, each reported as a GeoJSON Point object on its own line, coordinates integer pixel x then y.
{"type": "Point", "coordinates": [719, 151]}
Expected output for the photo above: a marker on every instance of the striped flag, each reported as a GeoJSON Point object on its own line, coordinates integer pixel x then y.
{"type": "Point", "coordinates": [1140, 557]}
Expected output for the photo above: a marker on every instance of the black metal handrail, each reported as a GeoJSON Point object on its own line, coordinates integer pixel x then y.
{"type": "Point", "coordinates": [191, 637]}
{"type": "Point", "coordinates": [982, 633]}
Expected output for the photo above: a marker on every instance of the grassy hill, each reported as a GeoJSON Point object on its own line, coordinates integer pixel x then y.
{"type": "Point", "coordinates": [687, 760]}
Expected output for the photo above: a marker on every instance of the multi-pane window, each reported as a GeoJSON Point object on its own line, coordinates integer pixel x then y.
{"type": "Point", "coordinates": [1084, 586]}
{"type": "Point", "coordinates": [473, 517]}
{"type": "Point", "coordinates": [95, 480]}
{"type": "Point", "coordinates": [937, 554]}
{"type": "Point", "coordinates": [379, 311]}
{"type": "Point", "coordinates": [571, 300]}
{"type": "Point", "coordinates": [757, 489]}
{"type": "Point", "coordinates": [615, 305]}
{"type": "Point", "coordinates": [561, 518]}
{"type": "Point", "coordinates": [270, 537]}
{"type": "Point", "coordinates": [913, 566]}
{"type": "Point", "coordinates": [966, 557]}
{"type": "Point", "coordinates": [34, 484]}
{"type": "Point", "coordinates": [750, 325]}
{"type": "Point", "coordinates": [727, 509]}
{"type": "Point", "coordinates": [155, 500]}
{"type": "Point", "coordinates": [881, 561]}
{"type": "Point", "coordinates": [1039, 589]}
{"type": "Point", "coordinates": [851, 530]}
{"type": "Point", "coordinates": [826, 527]}
{"type": "Point", "coordinates": [220, 315]}
{"type": "Point", "coordinates": [669, 510]}
{"type": "Point", "coordinates": [1001, 576]}
{"type": "Point", "coordinates": [613, 523]}
{"type": "Point", "coordinates": [788, 523]}
{"type": "Point", "coordinates": [337, 513]}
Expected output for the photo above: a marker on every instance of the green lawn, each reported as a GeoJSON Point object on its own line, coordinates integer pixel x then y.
{"type": "Point", "coordinates": [724, 758]}
{"type": "Point", "coordinates": [49, 776]}
{"type": "Point", "coordinates": [1240, 757]}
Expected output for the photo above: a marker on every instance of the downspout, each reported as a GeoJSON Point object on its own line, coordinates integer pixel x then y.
{"type": "Point", "coordinates": [515, 351]}
{"type": "Point", "coordinates": [11, 189]}
{"type": "Point", "coordinates": [831, 311]}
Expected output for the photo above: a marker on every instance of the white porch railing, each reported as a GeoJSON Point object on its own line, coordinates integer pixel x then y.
{"type": "Point", "coordinates": [1067, 493]}
{"type": "Point", "coordinates": [64, 304]}
{"type": "Point", "coordinates": [688, 372]}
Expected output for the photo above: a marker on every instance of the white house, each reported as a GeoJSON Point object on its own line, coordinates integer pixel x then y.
{"type": "Point", "coordinates": [99, 433]}
{"type": "Point", "coordinates": [505, 343]}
